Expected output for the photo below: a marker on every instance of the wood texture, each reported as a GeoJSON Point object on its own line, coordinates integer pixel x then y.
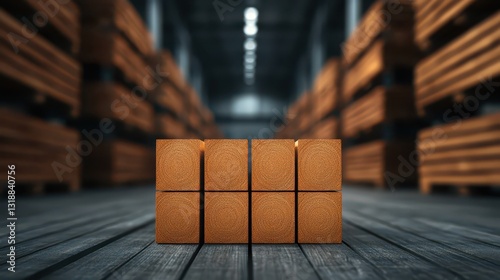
{"type": "Point", "coordinates": [273, 217]}
{"type": "Point", "coordinates": [116, 102]}
{"type": "Point", "coordinates": [326, 129]}
{"type": "Point", "coordinates": [273, 165]}
{"type": "Point", "coordinates": [319, 165]}
{"type": "Point", "coordinates": [319, 217]}
{"type": "Point", "coordinates": [371, 162]}
{"type": "Point", "coordinates": [178, 165]}
{"type": "Point", "coordinates": [169, 127]}
{"type": "Point", "coordinates": [38, 67]}
{"type": "Point", "coordinates": [226, 165]}
{"type": "Point", "coordinates": [433, 16]}
{"type": "Point", "coordinates": [375, 25]}
{"type": "Point", "coordinates": [463, 155]}
{"type": "Point", "coordinates": [226, 217]}
{"type": "Point", "coordinates": [61, 20]}
{"type": "Point", "coordinates": [105, 47]}
{"type": "Point", "coordinates": [464, 63]}
{"type": "Point", "coordinates": [281, 262]}
{"type": "Point", "coordinates": [36, 147]}
{"type": "Point", "coordinates": [120, 16]}
{"type": "Point", "coordinates": [215, 262]}
{"type": "Point", "coordinates": [381, 105]}
{"type": "Point", "coordinates": [118, 162]}
{"type": "Point", "coordinates": [178, 217]}
{"type": "Point", "coordinates": [386, 236]}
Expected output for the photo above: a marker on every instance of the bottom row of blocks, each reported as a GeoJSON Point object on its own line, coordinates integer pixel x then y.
{"type": "Point", "coordinates": [226, 217]}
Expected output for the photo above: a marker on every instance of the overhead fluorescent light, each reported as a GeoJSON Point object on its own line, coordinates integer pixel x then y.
{"type": "Point", "coordinates": [250, 30]}
{"type": "Point", "coordinates": [251, 14]}
{"type": "Point", "coordinates": [250, 45]}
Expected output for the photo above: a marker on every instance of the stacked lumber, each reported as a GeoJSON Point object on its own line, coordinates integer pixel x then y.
{"type": "Point", "coordinates": [203, 192]}
{"type": "Point", "coordinates": [116, 48]}
{"type": "Point", "coordinates": [377, 92]}
{"type": "Point", "coordinates": [315, 113]}
{"type": "Point", "coordinates": [457, 70]}
{"type": "Point", "coordinates": [37, 70]}
{"type": "Point", "coordinates": [437, 22]}
{"type": "Point", "coordinates": [379, 106]}
{"type": "Point", "coordinates": [119, 162]}
{"type": "Point", "coordinates": [179, 104]}
{"type": "Point", "coordinates": [377, 163]}
{"type": "Point", "coordinates": [41, 84]}
{"type": "Point", "coordinates": [465, 154]}
{"type": "Point", "coordinates": [57, 21]}
{"type": "Point", "coordinates": [455, 84]}
{"type": "Point", "coordinates": [45, 154]}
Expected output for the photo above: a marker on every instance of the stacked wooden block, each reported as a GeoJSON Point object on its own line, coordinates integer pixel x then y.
{"type": "Point", "coordinates": [116, 47]}
{"type": "Point", "coordinates": [294, 194]}
{"type": "Point", "coordinates": [379, 113]}
{"type": "Point", "coordinates": [180, 113]}
{"type": "Point", "coordinates": [40, 80]}
{"type": "Point", "coordinates": [315, 114]}
{"type": "Point", "coordinates": [456, 86]}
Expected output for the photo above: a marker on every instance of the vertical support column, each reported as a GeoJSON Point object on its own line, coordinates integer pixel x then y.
{"type": "Point", "coordinates": [353, 14]}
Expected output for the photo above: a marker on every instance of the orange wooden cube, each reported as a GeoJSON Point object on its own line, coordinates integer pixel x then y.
{"type": "Point", "coordinates": [226, 217]}
{"type": "Point", "coordinates": [177, 217]}
{"type": "Point", "coordinates": [273, 217]}
{"type": "Point", "coordinates": [273, 165]}
{"type": "Point", "coordinates": [178, 165]}
{"type": "Point", "coordinates": [226, 165]}
{"type": "Point", "coordinates": [320, 217]}
{"type": "Point", "coordinates": [319, 165]}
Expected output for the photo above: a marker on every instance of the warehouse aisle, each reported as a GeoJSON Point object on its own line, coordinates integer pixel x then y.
{"type": "Point", "coordinates": [386, 236]}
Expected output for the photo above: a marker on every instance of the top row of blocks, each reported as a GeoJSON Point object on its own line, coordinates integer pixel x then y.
{"type": "Point", "coordinates": [179, 164]}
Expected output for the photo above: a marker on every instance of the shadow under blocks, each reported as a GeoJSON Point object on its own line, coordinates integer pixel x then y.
{"type": "Point", "coordinates": [204, 193]}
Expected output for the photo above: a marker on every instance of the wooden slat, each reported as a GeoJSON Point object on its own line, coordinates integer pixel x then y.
{"type": "Point", "coordinates": [462, 64]}
{"type": "Point", "coordinates": [121, 15]}
{"type": "Point", "coordinates": [281, 262]}
{"type": "Point", "coordinates": [378, 106]}
{"type": "Point", "coordinates": [220, 261]}
{"type": "Point", "coordinates": [448, 260]}
{"type": "Point", "coordinates": [114, 101]}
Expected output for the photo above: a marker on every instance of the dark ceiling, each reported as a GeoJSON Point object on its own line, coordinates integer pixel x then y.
{"type": "Point", "coordinates": [294, 38]}
{"type": "Point", "coordinates": [284, 30]}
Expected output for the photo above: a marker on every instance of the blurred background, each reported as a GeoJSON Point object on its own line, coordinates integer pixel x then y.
{"type": "Point", "coordinates": [410, 86]}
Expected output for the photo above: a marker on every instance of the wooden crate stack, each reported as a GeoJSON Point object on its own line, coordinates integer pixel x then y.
{"type": "Point", "coordinates": [315, 114]}
{"type": "Point", "coordinates": [116, 46]}
{"type": "Point", "coordinates": [180, 113]}
{"type": "Point", "coordinates": [379, 117]}
{"type": "Point", "coordinates": [455, 88]}
{"type": "Point", "coordinates": [41, 80]}
{"type": "Point", "coordinates": [282, 201]}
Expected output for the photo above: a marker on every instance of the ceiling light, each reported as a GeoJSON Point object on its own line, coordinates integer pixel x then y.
{"type": "Point", "coordinates": [250, 45]}
{"type": "Point", "coordinates": [251, 61]}
{"type": "Point", "coordinates": [249, 66]}
{"type": "Point", "coordinates": [250, 30]}
{"type": "Point", "coordinates": [251, 13]}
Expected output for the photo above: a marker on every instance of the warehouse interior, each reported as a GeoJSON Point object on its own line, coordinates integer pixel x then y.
{"type": "Point", "coordinates": [410, 87]}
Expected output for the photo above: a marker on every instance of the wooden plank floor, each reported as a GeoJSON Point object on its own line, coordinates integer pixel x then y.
{"type": "Point", "coordinates": [387, 235]}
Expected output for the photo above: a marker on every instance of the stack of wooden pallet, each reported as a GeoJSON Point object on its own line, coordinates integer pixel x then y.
{"type": "Point", "coordinates": [379, 113]}
{"type": "Point", "coordinates": [180, 111]}
{"type": "Point", "coordinates": [213, 202]}
{"type": "Point", "coordinates": [455, 88]}
{"type": "Point", "coordinates": [41, 80]}
{"type": "Point", "coordinates": [315, 114]}
{"type": "Point", "coordinates": [116, 47]}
